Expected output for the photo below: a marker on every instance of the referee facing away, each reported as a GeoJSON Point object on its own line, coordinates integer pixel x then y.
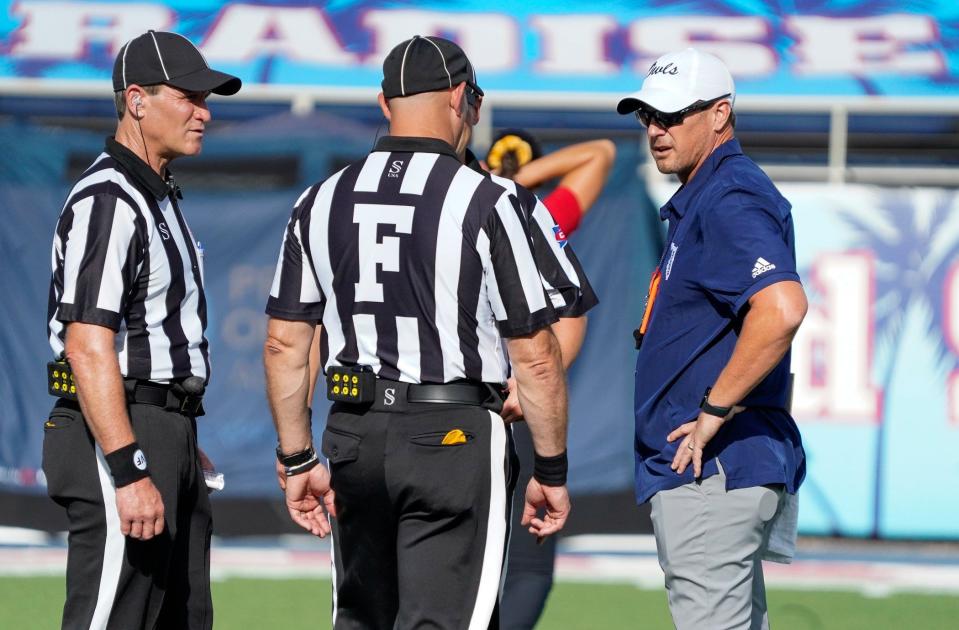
{"type": "Point", "coordinates": [417, 267]}
{"type": "Point", "coordinates": [119, 451]}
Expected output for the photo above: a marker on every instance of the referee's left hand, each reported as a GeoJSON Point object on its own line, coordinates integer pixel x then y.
{"type": "Point", "coordinates": [556, 501]}
{"type": "Point", "coordinates": [307, 495]}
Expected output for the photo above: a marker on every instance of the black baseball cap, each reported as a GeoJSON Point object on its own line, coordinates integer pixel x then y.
{"type": "Point", "coordinates": [161, 57]}
{"type": "Point", "coordinates": [426, 64]}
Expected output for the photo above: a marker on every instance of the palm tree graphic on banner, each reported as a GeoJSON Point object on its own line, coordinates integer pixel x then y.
{"type": "Point", "coordinates": [914, 236]}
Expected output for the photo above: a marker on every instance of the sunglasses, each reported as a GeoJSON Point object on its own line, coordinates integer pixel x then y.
{"type": "Point", "coordinates": [663, 120]}
{"type": "Point", "coordinates": [473, 97]}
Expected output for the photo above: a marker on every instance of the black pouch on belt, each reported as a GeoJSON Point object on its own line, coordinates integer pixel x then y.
{"type": "Point", "coordinates": [355, 384]}
{"type": "Point", "coordinates": [60, 381]}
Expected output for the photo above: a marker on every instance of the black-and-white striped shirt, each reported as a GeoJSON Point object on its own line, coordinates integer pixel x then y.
{"type": "Point", "coordinates": [124, 258]}
{"type": "Point", "coordinates": [560, 271]}
{"type": "Point", "coordinates": [417, 266]}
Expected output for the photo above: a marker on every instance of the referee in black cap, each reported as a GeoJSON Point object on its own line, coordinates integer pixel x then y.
{"type": "Point", "coordinates": [120, 451]}
{"type": "Point", "coordinates": [417, 268]}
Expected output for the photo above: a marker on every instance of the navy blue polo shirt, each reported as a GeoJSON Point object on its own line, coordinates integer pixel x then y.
{"type": "Point", "coordinates": [730, 235]}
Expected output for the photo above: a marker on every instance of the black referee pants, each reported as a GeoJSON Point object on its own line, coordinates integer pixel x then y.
{"type": "Point", "coordinates": [421, 527]}
{"type": "Point", "coordinates": [116, 582]}
{"type": "Point", "coordinates": [529, 566]}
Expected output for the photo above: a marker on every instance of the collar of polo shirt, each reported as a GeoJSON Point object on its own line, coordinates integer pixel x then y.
{"type": "Point", "coordinates": [402, 144]}
{"type": "Point", "coordinates": [140, 170]}
{"type": "Point", "coordinates": [689, 190]}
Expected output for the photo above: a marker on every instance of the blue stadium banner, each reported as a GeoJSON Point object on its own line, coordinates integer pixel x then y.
{"type": "Point", "coordinates": [821, 47]}
{"type": "Point", "coordinates": [877, 359]}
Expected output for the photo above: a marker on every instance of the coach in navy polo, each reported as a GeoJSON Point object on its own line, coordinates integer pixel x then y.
{"type": "Point", "coordinates": [717, 452]}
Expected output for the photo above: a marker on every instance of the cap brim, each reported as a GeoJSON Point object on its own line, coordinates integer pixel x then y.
{"type": "Point", "coordinates": [207, 80]}
{"type": "Point", "coordinates": [660, 100]}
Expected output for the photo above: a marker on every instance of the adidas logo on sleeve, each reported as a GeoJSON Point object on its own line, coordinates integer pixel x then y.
{"type": "Point", "coordinates": [762, 266]}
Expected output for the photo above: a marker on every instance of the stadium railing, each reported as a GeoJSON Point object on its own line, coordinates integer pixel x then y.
{"type": "Point", "coordinates": [835, 139]}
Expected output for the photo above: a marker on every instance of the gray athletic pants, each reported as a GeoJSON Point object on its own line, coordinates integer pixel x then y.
{"type": "Point", "coordinates": [710, 542]}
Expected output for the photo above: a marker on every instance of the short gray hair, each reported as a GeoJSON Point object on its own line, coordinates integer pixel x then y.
{"type": "Point", "coordinates": [120, 100]}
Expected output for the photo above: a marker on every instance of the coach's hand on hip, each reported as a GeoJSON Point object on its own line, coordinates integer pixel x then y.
{"type": "Point", "coordinates": [696, 435]}
{"type": "Point", "coordinates": [140, 509]}
{"type": "Point", "coordinates": [307, 495]}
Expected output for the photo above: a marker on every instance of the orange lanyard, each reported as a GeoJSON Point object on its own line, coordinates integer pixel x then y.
{"type": "Point", "coordinates": [650, 300]}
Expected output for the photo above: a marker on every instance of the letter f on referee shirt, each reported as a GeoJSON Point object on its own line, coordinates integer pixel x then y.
{"type": "Point", "coordinates": [373, 252]}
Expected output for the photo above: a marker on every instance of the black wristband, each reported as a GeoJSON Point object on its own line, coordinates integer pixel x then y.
{"type": "Point", "coordinates": [550, 471]}
{"type": "Point", "coordinates": [295, 459]}
{"type": "Point", "coordinates": [713, 410]}
{"type": "Point", "coordinates": [306, 466]}
{"type": "Point", "coordinates": [127, 464]}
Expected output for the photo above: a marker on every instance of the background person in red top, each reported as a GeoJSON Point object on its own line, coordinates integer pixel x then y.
{"type": "Point", "coordinates": [582, 170]}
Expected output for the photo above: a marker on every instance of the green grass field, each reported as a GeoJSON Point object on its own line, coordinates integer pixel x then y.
{"type": "Point", "coordinates": [241, 604]}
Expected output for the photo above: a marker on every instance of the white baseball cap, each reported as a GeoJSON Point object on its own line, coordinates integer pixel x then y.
{"type": "Point", "coordinates": [678, 79]}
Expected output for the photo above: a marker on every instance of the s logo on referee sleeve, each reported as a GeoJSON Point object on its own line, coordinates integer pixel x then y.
{"type": "Point", "coordinates": [373, 252]}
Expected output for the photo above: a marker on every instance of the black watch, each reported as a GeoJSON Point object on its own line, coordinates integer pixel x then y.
{"type": "Point", "coordinates": [713, 410]}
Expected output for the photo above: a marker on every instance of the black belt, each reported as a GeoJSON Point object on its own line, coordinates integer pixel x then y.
{"type": "Point", "coordinates": [462, 393]}
{"type": "Point", "coordinates": [170, 397]}
{"type": "Point", "coordinates": [395, 395]}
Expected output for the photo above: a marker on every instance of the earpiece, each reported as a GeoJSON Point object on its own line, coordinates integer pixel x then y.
{"type": "Point", "coordinates": [137, 102]}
